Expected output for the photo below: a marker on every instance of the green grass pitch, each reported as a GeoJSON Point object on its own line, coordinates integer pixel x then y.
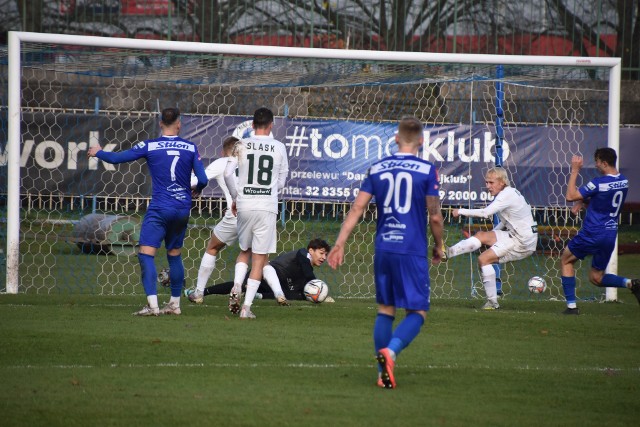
{"type": "Point", "coordinates": [79, 360]}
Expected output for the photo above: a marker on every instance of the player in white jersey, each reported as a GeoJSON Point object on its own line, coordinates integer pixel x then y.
{"type": "Point", "coordinates": [515, 237]}
{"type": "Point", "coordinates": [263, 167]}
{"type": "Point", "coordinates": [226, 231]}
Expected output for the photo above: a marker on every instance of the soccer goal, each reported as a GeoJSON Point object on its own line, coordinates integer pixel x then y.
{"type": "Point", "coordinates": [72, 222]}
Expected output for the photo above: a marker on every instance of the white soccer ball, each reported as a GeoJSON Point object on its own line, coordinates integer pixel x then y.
{"type": "Point", "coordinates": [316, 291]}
{"type": "Point", "coordinates": [537, 285]}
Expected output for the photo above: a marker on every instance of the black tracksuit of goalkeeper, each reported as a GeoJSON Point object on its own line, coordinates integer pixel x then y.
{"type": "Point", "coordinates": [294, 270]}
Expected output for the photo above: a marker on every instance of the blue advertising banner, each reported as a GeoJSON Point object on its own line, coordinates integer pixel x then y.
{"type": "Point", "coordinates": [329, 158]}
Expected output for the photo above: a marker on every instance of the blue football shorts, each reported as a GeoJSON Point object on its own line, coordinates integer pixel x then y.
{"type": "Point", "coordinates": [167, 224]}
{"type": "Point", "coordinates": [402, 280]}
{"type": "Point", "coordinates": [600, 245]}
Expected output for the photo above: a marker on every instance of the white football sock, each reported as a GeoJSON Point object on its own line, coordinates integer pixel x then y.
{"type": "Point", "coordinates": [252, 288]}
{"type": "Point", "coordinates": [271, 277]}
{"type": "Point", "coordinates": [489, 282]}
{"type": "Point", "coordinates": [240, 273]}
{"type": "Point", "coordinates": [152, 300]}
{"type": "Point", "coordinates": [207, 265]}
{"type": "Point", "coordinates": [465, 246]}
{"type": "Point", "coordinates": [175, 301]}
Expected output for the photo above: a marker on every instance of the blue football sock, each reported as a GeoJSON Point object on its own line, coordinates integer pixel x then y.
{"type": "Point", "coordinates": [176, 274]}
{"type": "Point", "coordinates": [569, 288]}
{"type": "Point", "coordinates": [406, 332]}
{"type": "Point", "coordinates": [614, 281]}
{"type": "Point", "coordinates": [382, 331]}
{"type": "Point", "coordinates": [148, 273]}
{"type": "Point", "coordinates": [496, 267]}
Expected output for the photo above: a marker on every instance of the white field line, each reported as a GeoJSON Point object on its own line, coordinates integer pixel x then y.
{"type": "Point", "coordinates": [222, 304]}
{"type": "Point", "coordinates": [604, 369]}
{"type": "Point", "coordinates": [268, 303]}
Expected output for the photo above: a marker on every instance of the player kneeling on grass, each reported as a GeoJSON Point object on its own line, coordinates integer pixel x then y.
{"type": "Point", "coordinates": [284, 277]}
{"type": "Point", "coordinates": [597, 237]}
{"type": "Point", "coordinates": [515, 237]}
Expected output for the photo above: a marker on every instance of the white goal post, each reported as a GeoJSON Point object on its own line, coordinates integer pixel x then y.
{"type": "Point", "coordinates": [366, 61]}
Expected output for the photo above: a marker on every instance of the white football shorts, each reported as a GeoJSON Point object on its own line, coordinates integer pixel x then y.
{"type": "Point", "coordinates": [257, 231]}
{"type": "Point", "coordinates": [226, 230]}
{"type": "Point", "coordinates": [509, 249]}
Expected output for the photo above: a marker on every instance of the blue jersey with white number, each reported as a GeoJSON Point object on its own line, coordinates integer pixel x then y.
{"type": "Point", "coordinates": [170, 160]}
{"type": "Point", "coordinates": [605, 195]}
{"type": "Point", "coordinates": [400, 184]}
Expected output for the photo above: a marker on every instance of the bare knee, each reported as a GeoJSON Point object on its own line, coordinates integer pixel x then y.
{"type": "Point", "coordinates": [174, 252]}
{"type": "Point", "coordinates": [420, 312]}
{"type": "Point", "coordinates": [484, 261]}
{"type": "Point", "coordinates": [215, 246]}
{"type": "Point", "coordinates": [595, 277]}
{"type": "Point", "coordinates": [566, 263]}
{"type": "Point", "coordinates": [566, 257]}
{"type": "Point", "coordinates": [487, 257]}
{"type": "Point", "coordinates": [482, 236]}
{"type": "Point", "coordinates": [388, 310]}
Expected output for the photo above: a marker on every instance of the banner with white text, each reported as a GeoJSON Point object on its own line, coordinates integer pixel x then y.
{"type": "Point", "coordinates": [328, 158]}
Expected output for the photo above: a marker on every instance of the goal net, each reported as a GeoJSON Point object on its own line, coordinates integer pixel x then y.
{"type": "Point", "coordinates": [73, 222]}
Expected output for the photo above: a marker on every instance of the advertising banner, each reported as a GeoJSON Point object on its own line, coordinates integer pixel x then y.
{"type": "Point", "coordinates": [328, 158]}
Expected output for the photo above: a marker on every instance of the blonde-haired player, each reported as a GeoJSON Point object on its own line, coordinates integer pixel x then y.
{"type": "Point", "coordinates": [515, 237]}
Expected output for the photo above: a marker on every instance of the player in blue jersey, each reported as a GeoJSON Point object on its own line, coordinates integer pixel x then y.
{"type": "Point", "coordinates": [597, 237]}
{"type": "Point", "coordinates": [401, 184]}
{"type": "Point", "coordinates": [171, 160]}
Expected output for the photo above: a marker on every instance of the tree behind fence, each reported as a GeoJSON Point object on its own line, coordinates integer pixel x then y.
{"type": "Point", "coordinates": [539, 27]}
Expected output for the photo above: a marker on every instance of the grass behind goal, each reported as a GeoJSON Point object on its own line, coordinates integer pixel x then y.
{"type": "Point", "coordinates": [84, 360]}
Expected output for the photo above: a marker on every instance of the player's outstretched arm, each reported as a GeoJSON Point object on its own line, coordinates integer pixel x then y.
{"type": "Point", "coordinates": [436, 224]}
{"type": "Point", "coordinates": [497, 205]}
{"type": "Point", "coordinates": [336, 255]}
{"type": "Point", "coordinates": [201, 176]}
{"type": "Point", "coordinates": [115, 158]}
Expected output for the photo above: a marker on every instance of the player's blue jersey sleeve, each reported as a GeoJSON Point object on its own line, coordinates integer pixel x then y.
{"type": "Point", "coordinates": [135, 153]}
{"type": "Point", "coordinates": [198, 169]}
{"type": "Point", "coordinates": [366, 183]}
{"type": "Point", "coordinates": [588, 190]}
{"type": "Point", "coordinates": [433, 184]}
